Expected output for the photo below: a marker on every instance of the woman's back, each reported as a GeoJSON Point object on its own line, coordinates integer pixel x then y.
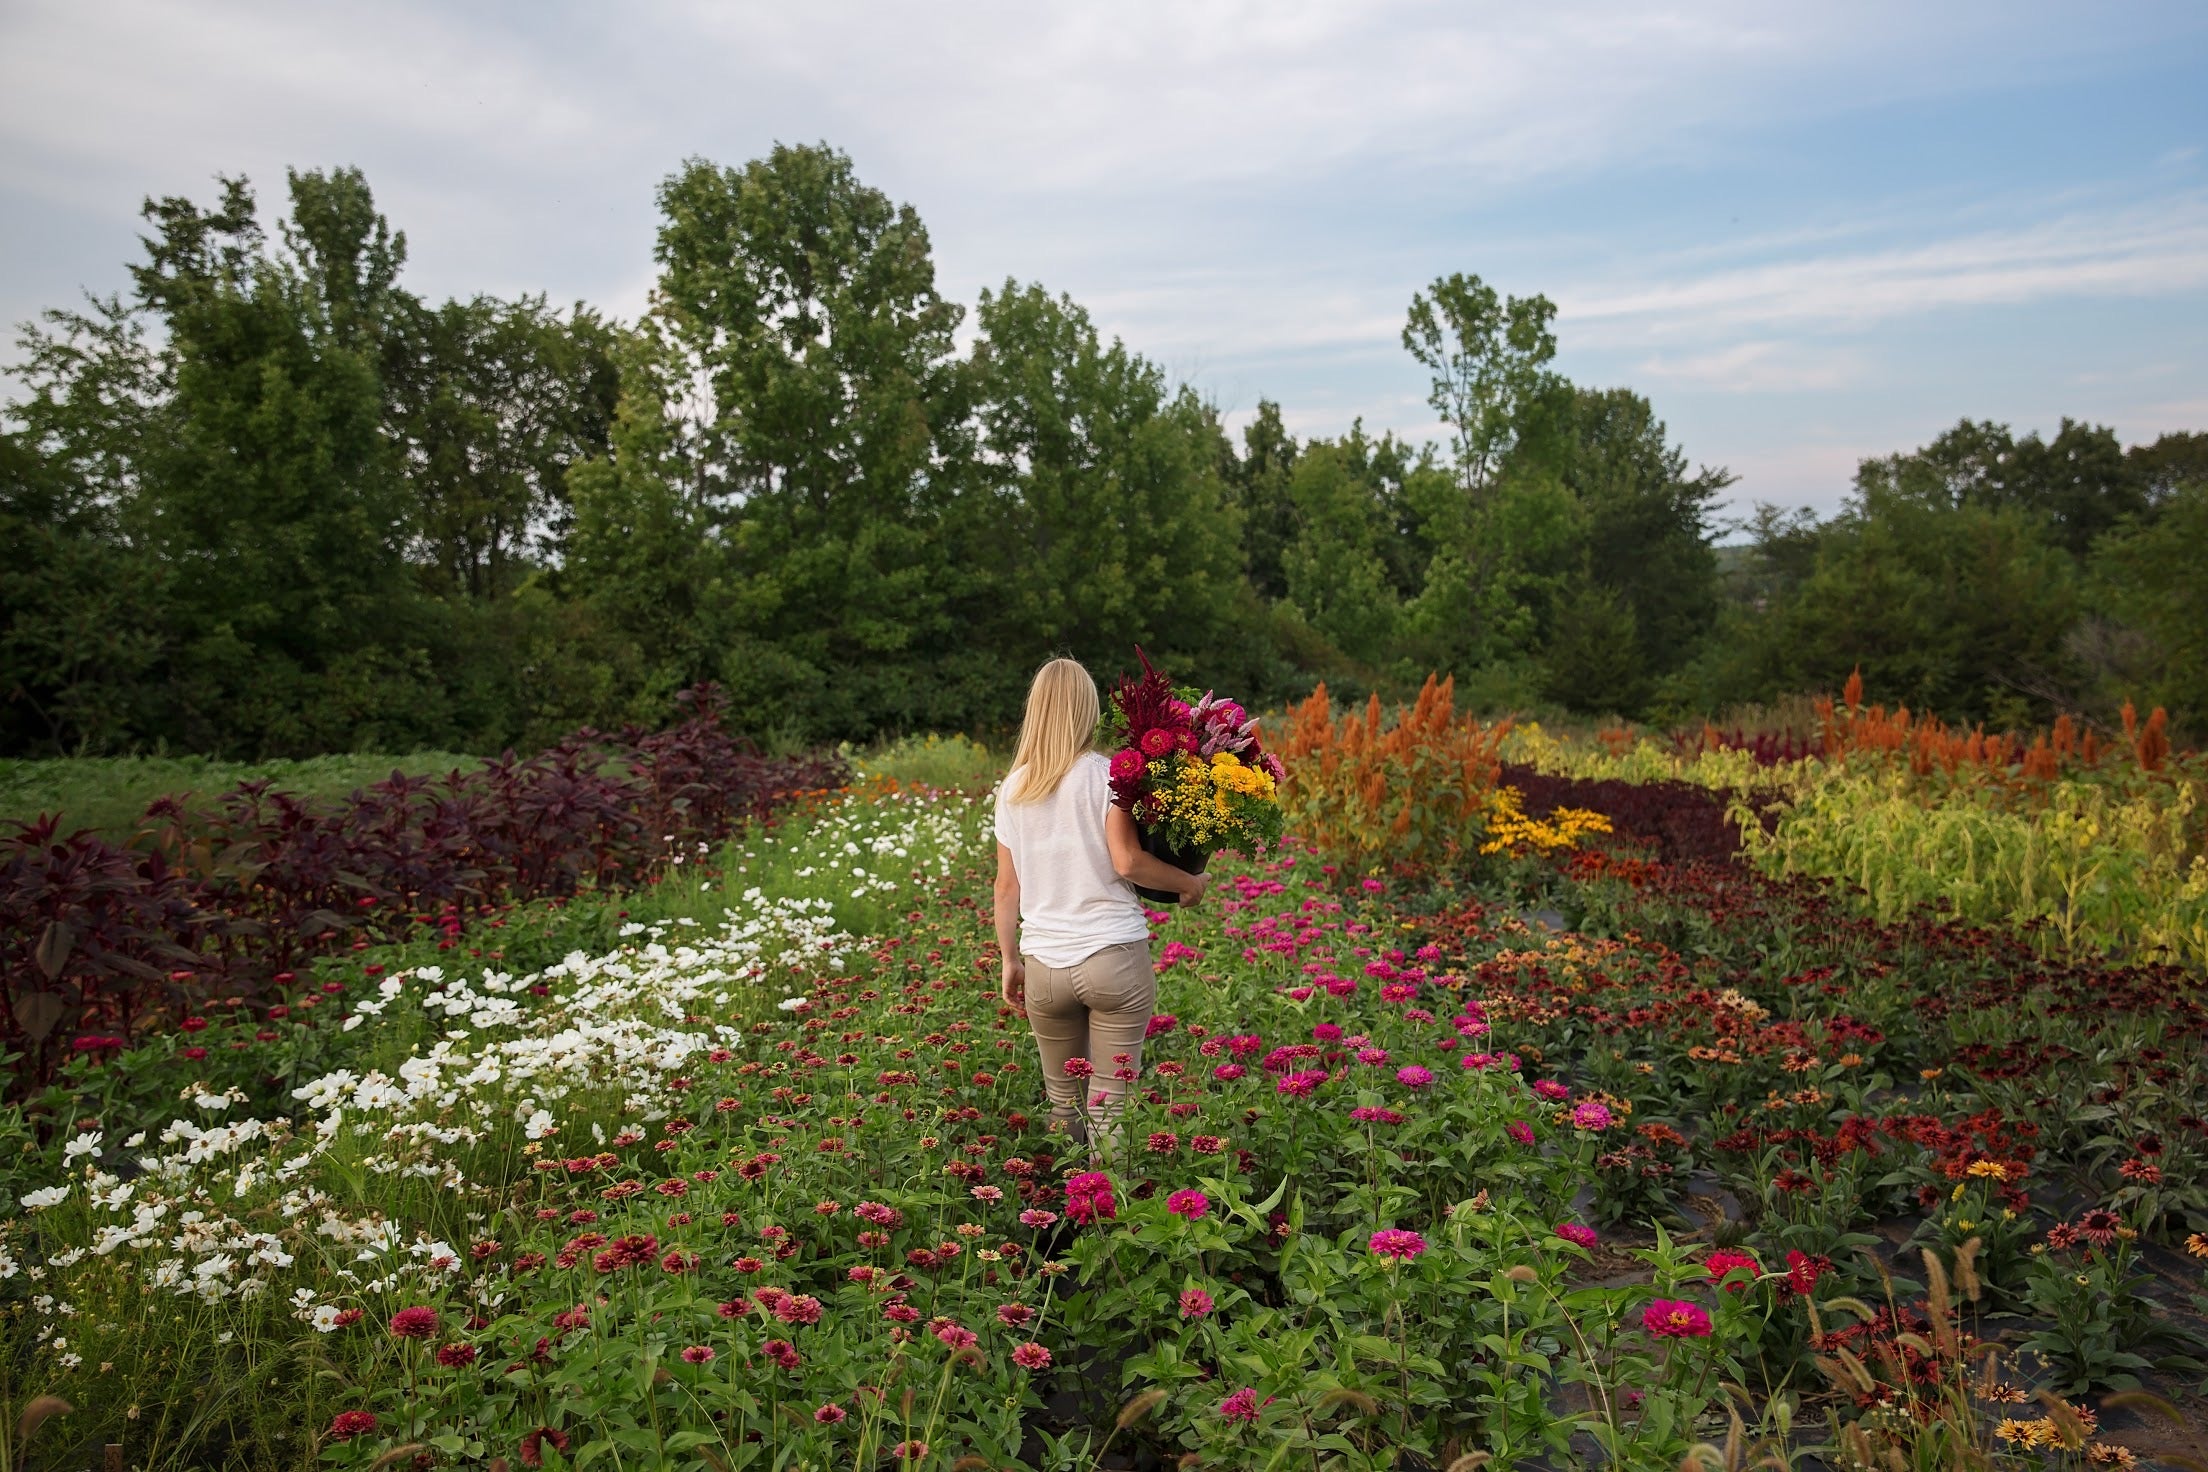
{"type": "Point", "coordinates": [1072, 902]}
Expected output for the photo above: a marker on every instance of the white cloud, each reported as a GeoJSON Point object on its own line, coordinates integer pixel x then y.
{"type": "Point", "coordinates": [1757, 367]}
{"type": "Point", "coordinates": [2146, 250]}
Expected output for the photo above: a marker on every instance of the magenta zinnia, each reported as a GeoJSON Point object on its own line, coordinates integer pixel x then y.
{"type": "Point", "coordinates": [1674, 1318]}
{"type": "Point", "coordinates": [1240, 1406]}
{"type": "Point", "coordinates": [1575, 1233]}
{"type": "Point", "coordinates": [1194, 1205]}
{"type": "Point", "coordinates": [1396, 1245]}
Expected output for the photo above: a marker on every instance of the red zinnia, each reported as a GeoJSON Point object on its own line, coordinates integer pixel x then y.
{"type": "Point", "coordinates": [414, 1323]}
{"type": "Point", "coordinates": [349, 1424]}
{"type": "Point", "coordinates": [532, 1445]}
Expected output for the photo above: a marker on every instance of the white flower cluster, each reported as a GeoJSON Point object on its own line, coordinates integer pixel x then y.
{"type": "Point", "coordinates": [604, 1033]}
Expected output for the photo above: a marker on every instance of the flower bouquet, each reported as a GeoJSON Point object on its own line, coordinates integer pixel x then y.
{"type": "Point", "coordinates": [1189, 770]}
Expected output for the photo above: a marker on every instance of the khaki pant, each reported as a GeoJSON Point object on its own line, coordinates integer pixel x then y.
{"type": "Point", "coordinates": [1098, 1009]}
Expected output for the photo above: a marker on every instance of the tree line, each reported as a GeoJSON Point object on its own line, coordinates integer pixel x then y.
{"type": "Point", "coordinates": [270, 502]}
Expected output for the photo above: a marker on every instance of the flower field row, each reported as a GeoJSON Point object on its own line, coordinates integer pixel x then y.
{"type": "Point", "coordinates": [2094, 846]}
{"type": "Point", "coordinates": [750, 1170]}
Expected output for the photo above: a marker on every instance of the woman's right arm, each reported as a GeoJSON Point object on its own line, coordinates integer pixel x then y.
{"type": "Point", "coordinates": [1135, 866]}
{"type": "Point", "coordinates": [1014, 984]}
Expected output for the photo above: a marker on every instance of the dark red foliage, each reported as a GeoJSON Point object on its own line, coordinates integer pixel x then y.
{"type": "Point", "coordinates": [99, 939]}
{"type": "Point", "coordinates": [1680, 822]}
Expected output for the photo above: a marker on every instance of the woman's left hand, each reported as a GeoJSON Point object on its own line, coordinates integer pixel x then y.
{"type": "Point", "coordinates": [1014, 989]}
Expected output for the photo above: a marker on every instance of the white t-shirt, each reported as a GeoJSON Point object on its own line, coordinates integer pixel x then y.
{"type": "Point", "coordinates": [1072, 903]}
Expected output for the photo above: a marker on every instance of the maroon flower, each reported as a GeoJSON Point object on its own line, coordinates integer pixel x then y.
{"type": "Point", "coordinates": [349, 1424]}
{"type": "Point", "coordinates": [414, 1323]}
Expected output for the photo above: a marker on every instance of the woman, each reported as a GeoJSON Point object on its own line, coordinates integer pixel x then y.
{"type": "Point", "coordinates": [1076, 946]}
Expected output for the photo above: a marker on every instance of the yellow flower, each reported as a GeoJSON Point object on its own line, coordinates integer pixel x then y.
{"type": "Point", "coordinates": [2197, 1245]}
{"type": "Point", "coordinates": [1993, 1168]}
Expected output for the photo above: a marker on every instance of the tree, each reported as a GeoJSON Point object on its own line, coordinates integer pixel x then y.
{"type": "Point", "coordinates": [2150, 575]}
{"type": "Point", "coordinates": [1101, 514]}
{"type": "Point", "coordinates": [1259, 479]}
{"type": "Point", "coordinates": [834, 421]}
{"type": "Point", "coordinates": [1488, 358]}
{"type": "Point", "coordinates": [2080, 484]}
{"type": "Point", "coordinates": [278, 500]}
{"type": "Point", "coordinates": [498, 399]}
{"type": "Point", "coordinates": [1648, 523]}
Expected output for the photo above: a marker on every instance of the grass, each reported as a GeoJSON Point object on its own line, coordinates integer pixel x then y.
{"type": "Point", "coordinates": [110, 794]}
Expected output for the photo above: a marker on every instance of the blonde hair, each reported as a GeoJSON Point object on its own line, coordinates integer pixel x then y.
{"type": "Point", "coordinates": [1059, 726]}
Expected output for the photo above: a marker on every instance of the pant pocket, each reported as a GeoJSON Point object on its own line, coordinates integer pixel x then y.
{"type": "Point", "coordinates": [1124, 980]}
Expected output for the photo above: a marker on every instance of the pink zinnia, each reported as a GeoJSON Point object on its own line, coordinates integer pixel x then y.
{"type": "Point", "coordinates": [1128, 765]}
{"type": "Point", "coordinates": [954, 1336]}
{"type": "Point", "coordinates": [1412, 1076]}
{"type": "Point", "coordinates": [1327, 1032]}
{"type": "Point", "coordinates": [1227, 1073]}
{"type": "Point", "coordinates": [1589, 1115]}
{"type": "Point", "coordinates": [1038, 1219]}
{"type": "Point", "coordinates": [829, 1415]}
{"type": "Point", "coordinates": [1240, 1406]}
{"type": "Point", "coordinates": [1031, 1357]}
{"type": "Point", "coordinates": [1396, 1245]}
{"type": "Point", "coordinates": [1299, 1085]}
{"type": "Point", "coordinates": [1671, 1318]}
{"type": "Point", "coordinates": [1080, 1068]}
{"type": "Point", "coordinates": [1575, 1233]}
{"type": "Point", "coordinates": [1549, 1088]}
{"type": "Point", "coordinates": [349, 1424]}
{"type": "Point", "coordinates": [1520, 1131]}
{"type": "Point", "coordinates": [1195, 1303]}
{"type": "Point", "coordinates": [1089, 1197]}
{"type": "Point", "coordinates": [698, 1354]}
{"type": "Point", "coordinates": [1194, 1205]}
{"type": "Point", "coordinates": [1372, 1057]}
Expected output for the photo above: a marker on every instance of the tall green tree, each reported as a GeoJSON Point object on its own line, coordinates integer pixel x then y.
{"type": "Point", "coordinates": [278, 499]}
{"type": "Point", "coordinates": [1489, 358]}
{"type": "Point", "coordinates": [497, 400]}
{"type": "Point", "coordinates": [1102, 516]}
{"type": "Point", "coordinates": [805, 305]}
{"type": "Point", "coordinates": [1259, 479]}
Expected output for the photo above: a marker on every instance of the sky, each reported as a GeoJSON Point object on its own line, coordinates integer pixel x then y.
{"type": "Point", "coordinates": [1809, 233]}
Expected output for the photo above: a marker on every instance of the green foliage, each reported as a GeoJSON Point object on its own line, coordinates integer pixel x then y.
{"type": "Point", "coordinates": [273, 503]}
{"type": "Point", "coordinates": [111, 793]}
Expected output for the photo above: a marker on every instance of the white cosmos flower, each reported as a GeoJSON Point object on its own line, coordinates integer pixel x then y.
{"type": "Point", "coordinates": [48, 1196]}
{"type": "Point", "coordinates": [82, 1145]}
